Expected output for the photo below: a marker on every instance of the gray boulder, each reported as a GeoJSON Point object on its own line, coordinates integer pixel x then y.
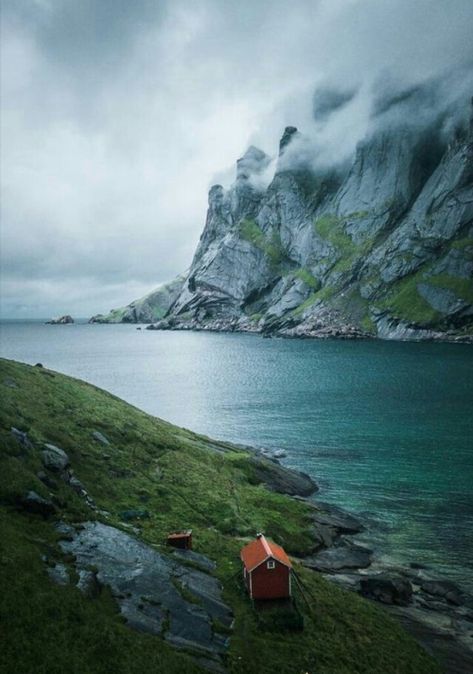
{"type": "Point", "coordinates": [54, 458]}
{"type": "Point", "coordinates": [100, 437]}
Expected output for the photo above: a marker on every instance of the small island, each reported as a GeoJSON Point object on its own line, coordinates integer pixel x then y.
{"type": "Point", "coordinates": [61, 320]}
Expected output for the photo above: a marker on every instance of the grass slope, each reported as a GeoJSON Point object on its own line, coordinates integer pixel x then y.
{"type": "Point", "coordinates": [182, 479]}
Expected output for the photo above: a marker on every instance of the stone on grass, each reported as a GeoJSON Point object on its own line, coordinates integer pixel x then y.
{"type": "Point", "coordinates": [54, 458]}
{"type": "Point", "coordinates": [100, 437]}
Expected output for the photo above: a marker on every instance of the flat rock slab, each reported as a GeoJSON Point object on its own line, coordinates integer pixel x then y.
{"type": "Point", "coordinates": [340, 558]}
{"type": "Point", "coordinates": [343, 522]}
{"type": "Point", "coordinates": [146, 585]}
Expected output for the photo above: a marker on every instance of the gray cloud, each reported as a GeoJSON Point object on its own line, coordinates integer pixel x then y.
{"type": "Point", "coordinates": [117, 116]}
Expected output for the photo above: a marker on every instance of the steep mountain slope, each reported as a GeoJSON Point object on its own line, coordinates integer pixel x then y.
{"type": "Point", "coordinates": [379, 246]}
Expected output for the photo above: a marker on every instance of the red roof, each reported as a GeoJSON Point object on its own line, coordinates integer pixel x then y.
{"type": "Point", "coordinates": [259, 550]}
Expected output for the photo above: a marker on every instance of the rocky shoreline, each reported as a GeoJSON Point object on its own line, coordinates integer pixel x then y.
{"type": "Point", "coordinates": [433, 609]}
{"type": "Point", "coordinates": [313, 330]}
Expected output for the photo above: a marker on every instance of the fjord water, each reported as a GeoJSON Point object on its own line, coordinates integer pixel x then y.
{"type": "Point", "coordinates": [385, 428]}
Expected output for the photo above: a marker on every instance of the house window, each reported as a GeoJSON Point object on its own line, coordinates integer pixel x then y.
{"type": "Point", "coordinates": [271, 564]}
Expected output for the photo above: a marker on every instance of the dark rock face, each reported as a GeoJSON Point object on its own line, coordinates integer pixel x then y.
{"type": "Point", "coordinates": [36, 504]}
{"type": "Point", "coordinates": [150, 589]}
{"type": "Point", "coordinates": [444, 589]}
{"type": "Point", "coordinates": [387, 589]}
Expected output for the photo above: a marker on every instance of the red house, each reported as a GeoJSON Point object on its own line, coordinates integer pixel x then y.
{"type": "Point", "coordinates": [266, 569]}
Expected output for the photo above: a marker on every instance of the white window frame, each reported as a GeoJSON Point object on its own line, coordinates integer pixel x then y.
{"type": "Point", "coordinates": [270, 564]}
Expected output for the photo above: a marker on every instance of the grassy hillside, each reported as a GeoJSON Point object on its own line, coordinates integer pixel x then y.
{"type": "Point", "coordinates": [181, 480]}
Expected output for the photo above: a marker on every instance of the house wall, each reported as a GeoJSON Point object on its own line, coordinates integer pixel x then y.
{"type": "Point", "coordinates": [270, 583]}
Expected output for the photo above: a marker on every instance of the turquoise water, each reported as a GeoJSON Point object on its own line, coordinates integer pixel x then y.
{"type": "Point", "coordinates": [385, 428]}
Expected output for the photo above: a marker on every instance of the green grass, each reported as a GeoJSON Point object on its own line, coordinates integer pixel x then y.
{"type": "Point", "coordinates": [332, 228]}
{"type": "Point", "coordinates": [271, 246]}
{"type": "Point", "coordinates": [307, 277]}
{"type": "Point", "coordinates": [183, 480]}
{"type": "Point", "coordinates": [461, 244]}
{"type": "Point", "coordinates": [324, 294]}
{"type": "Point", "coordinates": [404, 302]}
{"type": "Point", "coordinates": [461, 287]}
{"type": "Point", "coordinates": [368, 325]}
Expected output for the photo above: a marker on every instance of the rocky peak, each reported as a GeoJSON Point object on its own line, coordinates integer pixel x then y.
{"type": "Point", "coordinates": [290, 132]}
{"type": "Point", "coordinates": [253, 162]}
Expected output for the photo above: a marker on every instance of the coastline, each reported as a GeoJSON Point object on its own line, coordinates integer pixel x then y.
{"type": "Point", "coordinates": [434, 610]}
{"type": "Point", "coordinates": [399, 332]}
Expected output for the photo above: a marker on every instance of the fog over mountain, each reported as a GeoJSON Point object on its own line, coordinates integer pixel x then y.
{"type": "Point", "coordinates": [117, 117]}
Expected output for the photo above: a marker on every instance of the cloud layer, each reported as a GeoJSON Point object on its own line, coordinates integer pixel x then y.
{"type": "Point", "coordinates": [117, 116]}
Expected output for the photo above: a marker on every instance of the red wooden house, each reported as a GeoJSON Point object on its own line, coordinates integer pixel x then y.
{"type": "Point", "coordinates": [266, 569]}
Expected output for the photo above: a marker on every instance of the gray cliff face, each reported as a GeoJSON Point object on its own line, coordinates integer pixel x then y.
{"type": "Point", "coordinates": [383, 247]}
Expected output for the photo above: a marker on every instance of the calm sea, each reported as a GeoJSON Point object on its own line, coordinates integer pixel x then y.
{"type": "Point", "coordinates": [385, 428]}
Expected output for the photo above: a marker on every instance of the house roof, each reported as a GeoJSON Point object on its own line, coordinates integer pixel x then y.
{"type": "Point", "coordinates": [259, 550]}
{"type": "Point", "coordinates": [180, 534]}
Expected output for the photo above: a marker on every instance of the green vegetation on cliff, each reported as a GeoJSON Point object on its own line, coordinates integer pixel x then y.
{"type": "Point", "coordinates": [182, 480]}
{"type": "Point", "coordinates": [271, 246]}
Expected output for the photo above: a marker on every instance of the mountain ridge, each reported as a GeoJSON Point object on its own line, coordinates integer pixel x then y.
{"type": "Point", "coordinates": [381, 247]}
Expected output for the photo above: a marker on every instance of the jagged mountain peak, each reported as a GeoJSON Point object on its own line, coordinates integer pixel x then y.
{"type": "Point", "coordinates": [385, 249]}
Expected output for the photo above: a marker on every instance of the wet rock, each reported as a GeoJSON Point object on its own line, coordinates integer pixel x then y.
{"type": "Point", "coordinates": [387, 589]}
{"type": "Point", "coordinates": [146, 586]}
{"type": "Point", "coordinates": [444, 589]}
{"type": "Point", "coordinates": [54, 458]}
{"type": "Point", "coordinates": [34, 503]}
{"type": "Point", "coordinates": [329, 515]}
{"type": "Point", "coordinates": [343, 556]}
{"type": "Point", "coordinates": [100, 437]}
{"type": "Point", "coordinates": [59, 574]}
{"type": "Point", "coordinates": [281, 479]}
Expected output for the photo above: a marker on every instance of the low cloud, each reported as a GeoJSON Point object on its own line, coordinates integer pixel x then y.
{"type": "Point", "coordinates": [118, 116]}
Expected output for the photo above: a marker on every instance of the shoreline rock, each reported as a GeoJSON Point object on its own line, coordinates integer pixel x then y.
{"type": "Point", "coordinates": [61, 320]}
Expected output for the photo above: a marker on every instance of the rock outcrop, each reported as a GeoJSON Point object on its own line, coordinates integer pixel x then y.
{"type": "Point", "coordinates": [382, 247]}
{"type": "Point", "coordinates": [61, 320]}
{"type": "Point", "coordinates": [148, 309]}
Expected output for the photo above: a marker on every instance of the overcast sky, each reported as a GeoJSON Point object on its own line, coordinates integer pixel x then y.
{"type": "Point", "coordinates": [118, 115]}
